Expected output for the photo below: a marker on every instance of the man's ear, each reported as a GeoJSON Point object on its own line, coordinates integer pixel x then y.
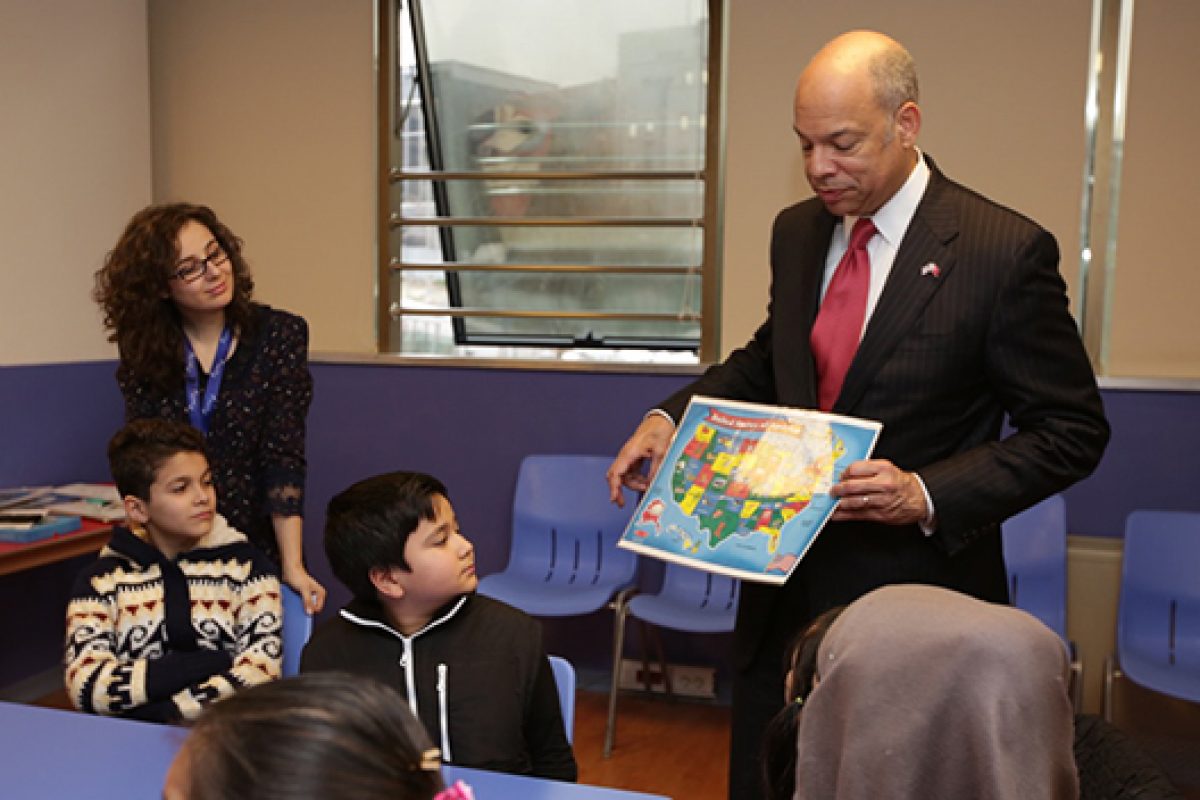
{"type": "Point", "coordinates": [135, 509]}
{"type": "Point", "coordinates": [388, 581]}
{"type": "Point", "coordinates": [908, 123]}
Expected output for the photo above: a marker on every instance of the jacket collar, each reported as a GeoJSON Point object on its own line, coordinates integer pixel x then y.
{"type": "Point", "coordinates": [370, 615]}
{"type": "Point", "coordinates": [910, 286]}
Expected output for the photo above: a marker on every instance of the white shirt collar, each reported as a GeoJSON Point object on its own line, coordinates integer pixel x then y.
{"type": "Point", "coordinates": [893, 217]}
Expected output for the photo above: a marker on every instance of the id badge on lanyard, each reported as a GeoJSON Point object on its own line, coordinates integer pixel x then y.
{"type": "Point", "coordinates": [200, 411]}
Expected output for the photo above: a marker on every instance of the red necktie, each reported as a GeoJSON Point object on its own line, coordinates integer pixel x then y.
{"type": "Point", "coordinates": [839, 323]}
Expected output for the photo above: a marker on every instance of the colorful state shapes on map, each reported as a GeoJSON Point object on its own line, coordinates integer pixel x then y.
{"type": "Point", "coordinates": [732, 506]}
{"type": "Point", "coordinates": [707, 505]}
{"type": "Point", "coordinates": [695, 448]}
{"type": "Point", "coordinates": [794, 507]}
{"type": "Point", "coordinates": [772, 539]}
{"type": "Point", "coordinates": [691, 499]}
{"type": "Point", "coordinates": [719, 482]}
{"type": "Point", "coordinates": [747, 445]}
{"type": "Point", "coordinates": [653, 513]}
{"type": "Point", "coordinates": [782, 563]}
{"type": "Point", "coordinates": [738, 488]}
{"type": "Point", "coordinates": [705, 476]}
{"type": "Point", "coordinates": [705, 433]}
{"type": "Point", "coordinates": [719, 533]}
{"type": "Point", "coordinates": [749, 509]}
{"type": "Point", "coordinates": [723, 464]}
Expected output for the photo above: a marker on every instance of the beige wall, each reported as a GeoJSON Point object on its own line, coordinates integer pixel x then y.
{"type": "Point", "coordinates": [74, 163]}
{"type": "Point", "coordinates": [266, 112]}
{"type": "Point", "coordinates": [1014, 133]}
{"type": "Point", "coordinates": [1157, 276]}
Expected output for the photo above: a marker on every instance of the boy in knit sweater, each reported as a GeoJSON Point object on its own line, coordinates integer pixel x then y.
{"type": "Point", "coordinates": [471, 668]}
{"type": "Point", "coordinates": [180, 609]}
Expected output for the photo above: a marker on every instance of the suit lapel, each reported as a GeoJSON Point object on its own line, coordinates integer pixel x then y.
{"type": "Point", "coordinates": [909, 287]}
{"type": "Point", "coordinates": [809, 270]}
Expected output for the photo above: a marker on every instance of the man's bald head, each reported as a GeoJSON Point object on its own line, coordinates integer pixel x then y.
{"type": "Point", "coordinates": [857, 119]}
{"type": "Point", "coordinates": [869, 55]}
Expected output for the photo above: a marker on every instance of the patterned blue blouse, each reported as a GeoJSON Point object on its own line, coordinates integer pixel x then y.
{"type": "Point", "coordinates": [255, 440]}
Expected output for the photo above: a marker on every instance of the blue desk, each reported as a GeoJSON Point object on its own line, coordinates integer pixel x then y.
{"type": "Point", "coordinates": [48, 754]}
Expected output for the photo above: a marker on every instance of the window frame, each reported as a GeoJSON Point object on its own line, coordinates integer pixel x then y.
{"type": "Point", "coordinates": [389, 219]}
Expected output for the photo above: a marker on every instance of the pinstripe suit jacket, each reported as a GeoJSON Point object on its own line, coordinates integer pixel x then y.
{"type": "Point", "coordinates": [943, 359]}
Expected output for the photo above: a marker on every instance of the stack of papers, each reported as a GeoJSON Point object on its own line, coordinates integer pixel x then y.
{"type": "Point", "coordinates": [92, 500]}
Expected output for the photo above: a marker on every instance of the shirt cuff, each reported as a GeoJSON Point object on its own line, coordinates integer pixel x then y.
{"type": "Point", "coordinates": [658, 412]}
{"type": "Point", "coordinates": [929, 524]}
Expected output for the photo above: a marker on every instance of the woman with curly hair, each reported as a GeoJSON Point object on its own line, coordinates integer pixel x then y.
{"type": "Point", "coordinates": [176, 294]}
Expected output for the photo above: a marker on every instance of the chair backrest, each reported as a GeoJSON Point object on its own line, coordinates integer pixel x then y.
{"type": "Point", "coordinates": [564, 678]}
{"type": "Point", "coordinates": [1035, 555]}
{"type": "Point", "coordinates": [565, 528]}
{"type": "Point", "coordinates": [297, 627]}
{"type": "Point", "coordinates": [698, 589]}
{"type": "Point", "coordinates": [1158, 618]}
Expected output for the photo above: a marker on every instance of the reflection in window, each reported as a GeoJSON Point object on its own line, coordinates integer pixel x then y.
{"type": "Point", "coordinates": [547, 185]}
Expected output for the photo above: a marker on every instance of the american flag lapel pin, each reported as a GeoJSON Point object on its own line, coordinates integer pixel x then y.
{"type": "Point", "coordinates": [931, 269]}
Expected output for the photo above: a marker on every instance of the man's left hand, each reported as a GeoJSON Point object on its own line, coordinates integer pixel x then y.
{"type": "Point", "coordinates": [876, 490]}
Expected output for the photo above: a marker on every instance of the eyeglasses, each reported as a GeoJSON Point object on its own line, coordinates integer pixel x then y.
{"type": "Point", "coordinates": [193, 269]}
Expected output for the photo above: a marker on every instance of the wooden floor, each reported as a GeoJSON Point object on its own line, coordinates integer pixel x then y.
{"type": "Point", "coordinates": [678, 749]}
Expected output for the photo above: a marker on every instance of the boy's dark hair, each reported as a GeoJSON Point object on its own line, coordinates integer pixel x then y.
{"type": "Point", "coordinates": [367, 525]}
{"type": "Point", "coordinates": [318, 735]}
{"type": "Point", "coordinates": [138, 450]}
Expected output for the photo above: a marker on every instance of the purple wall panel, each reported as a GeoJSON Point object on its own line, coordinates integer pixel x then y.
{"type": "Point", "coordinates": [471, 427]}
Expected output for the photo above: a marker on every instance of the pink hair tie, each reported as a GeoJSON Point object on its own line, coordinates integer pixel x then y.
{"type": "Point", "coordinates": [459, 791]}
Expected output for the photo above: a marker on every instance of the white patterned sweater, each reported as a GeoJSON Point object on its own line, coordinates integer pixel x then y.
{"type": "Point", "coordinates": [153, 638]}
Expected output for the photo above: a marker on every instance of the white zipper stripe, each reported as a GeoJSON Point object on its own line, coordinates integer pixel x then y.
{"type": "Point", "coordinates": [443, 720]}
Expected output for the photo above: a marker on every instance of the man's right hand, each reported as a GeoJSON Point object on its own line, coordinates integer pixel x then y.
{"type": "Point", "coordinates": [648, 444]}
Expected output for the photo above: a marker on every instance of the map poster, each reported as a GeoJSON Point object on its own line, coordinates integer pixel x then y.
{"type": "Point", "coordinates": [744, 488]}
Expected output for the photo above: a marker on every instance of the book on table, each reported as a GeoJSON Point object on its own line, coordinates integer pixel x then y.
{"type": "Point", "coordinates": [744, 487]}
{"type": "Point", "coordinates": [21, 526]}
{"type": "Point", "coordinates": [99, 501]}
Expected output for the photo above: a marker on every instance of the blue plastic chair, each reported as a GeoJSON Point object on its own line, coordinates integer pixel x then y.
{"type": "Point", "coordinates": [297, 627]}
{"type": "Point", "coordinates": [1035, 555]}
{"type": "Point", "coordinates": [564, 560]}
{"type": "Point", "coordinates": [690, 600]}
{"type": "Point", "coordinates": [1158, 616]}
{"type": "Point", "coordinates": [564, 679]}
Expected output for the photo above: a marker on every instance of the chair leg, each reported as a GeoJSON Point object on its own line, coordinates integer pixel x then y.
{"type": "Point", "coordinates": [610, 728]}
{"type": "Point", "coordinates": [1077, 686]}
{"type": "Point", "coordinates": [643, 636]}
{"type": "Point", "coordinates": [1075, 681]}
{"type": "Point", "coordinates": [1107, 703]}
{"type": "Point", "coordinates": [662, 661]}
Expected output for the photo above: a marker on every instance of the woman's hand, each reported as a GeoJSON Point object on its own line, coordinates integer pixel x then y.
{"type": "Point", "coordinates": [313, 593]}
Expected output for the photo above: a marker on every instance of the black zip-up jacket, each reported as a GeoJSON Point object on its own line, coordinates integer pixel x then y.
{"type": "Point", "coordinates": [476, 676]}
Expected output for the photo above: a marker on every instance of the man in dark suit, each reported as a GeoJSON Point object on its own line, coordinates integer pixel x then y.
{"type": "Point", "coordinates": [965, 321]}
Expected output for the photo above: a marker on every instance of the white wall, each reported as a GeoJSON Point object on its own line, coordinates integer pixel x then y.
{"type": "Point", "coordinates": [74, 164]}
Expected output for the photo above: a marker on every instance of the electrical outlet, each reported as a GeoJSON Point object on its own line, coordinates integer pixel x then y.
{"type": "Point", "coordinates": [686, 681]}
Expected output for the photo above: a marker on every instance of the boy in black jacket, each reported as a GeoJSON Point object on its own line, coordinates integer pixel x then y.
{"type": "Point", "coordinates": [472, 668]}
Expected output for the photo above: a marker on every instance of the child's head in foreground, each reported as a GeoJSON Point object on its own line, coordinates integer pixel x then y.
{"type": "Point", "coordinates": [162, 474]}
{"type": "Point", "coordinates": [318, 736]}
{"type": "Point", "coordinates": [394, 539]}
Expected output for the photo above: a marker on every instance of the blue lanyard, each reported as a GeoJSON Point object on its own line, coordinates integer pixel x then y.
{"type": "Point", "coordinates": [200, 413]}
